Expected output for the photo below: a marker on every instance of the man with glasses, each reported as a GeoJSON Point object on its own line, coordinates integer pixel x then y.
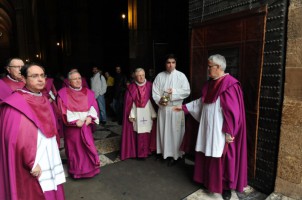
{"type": "Point", "coordinates": [221, 154]}
{"type": "Point", "coordinates": [66, 80]}
{"type": "Point", "coordinates": [13, 80]}
{"type": "Point", "coordinates": [31, 166]}
{"type": "Point", "coordinates": [80, 111]}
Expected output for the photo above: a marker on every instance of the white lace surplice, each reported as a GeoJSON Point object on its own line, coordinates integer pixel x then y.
{"type": "Point", "coordinates": [210, 139]}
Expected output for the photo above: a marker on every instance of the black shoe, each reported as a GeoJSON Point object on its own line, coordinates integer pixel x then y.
{"type": "Point", "coordinates": [226, 194]}
{"type": "Point", "coordinates": [158, 157]}
{"type": "Point", "coordinates": [171, 162]}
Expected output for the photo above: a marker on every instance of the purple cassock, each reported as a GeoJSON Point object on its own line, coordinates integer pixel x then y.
{"type": "Point", "coordinates": [8, 86]}
{"type": "Point", "coordinates": [230, 170]}
{"type": "Point", "coordinates": [82, 155]}
{"type": "Point", "coordinates": [20, 120]}
{"type": "Point", "coordinates": [133, 144]}
{"type": "Point", "coordinates": [50, 88]}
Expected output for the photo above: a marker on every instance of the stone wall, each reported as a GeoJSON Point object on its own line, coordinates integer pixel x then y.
{"type": "Point", "coordinates": [289, 172]}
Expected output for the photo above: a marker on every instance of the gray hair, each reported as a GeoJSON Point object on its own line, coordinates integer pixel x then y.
{"type": "Point", "coordinates": [72, 72]}
{"type": "Point", "coordinates": [219, 60]}
{"type": "Point", "coordinates": [138, 70]}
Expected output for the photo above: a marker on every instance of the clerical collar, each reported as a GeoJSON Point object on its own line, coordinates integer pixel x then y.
{"type": "Point", "coordinates": [8, 76]}
{"type": "Point", "coordinates": [221, 76]}
{"type": "Point", "coordinates": [141, 84]}
{"type": "Point", "coordinates": [171, 71]}
{"type": "Point", "coordinates": [75, 88]}
{"type": "Point", "coordinates": [25, 90]}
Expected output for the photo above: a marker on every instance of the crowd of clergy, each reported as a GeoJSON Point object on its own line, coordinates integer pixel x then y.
{"type": "Point", "coordinates": [35, 116]}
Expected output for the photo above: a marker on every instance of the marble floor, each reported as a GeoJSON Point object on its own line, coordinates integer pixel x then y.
{"type": "Point", "coordinates": [107, 140]}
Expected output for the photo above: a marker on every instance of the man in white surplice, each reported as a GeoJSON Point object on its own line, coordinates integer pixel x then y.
{"type": "Point", "coordinates": [170, 125]}
{"type": "Point", "coordinates": [221, 153]}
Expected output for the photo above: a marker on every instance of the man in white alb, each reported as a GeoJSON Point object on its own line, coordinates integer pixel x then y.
{"type": "Point", "coordinates": [174, 85]}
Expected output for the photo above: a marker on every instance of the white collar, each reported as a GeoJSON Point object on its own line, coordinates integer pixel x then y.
{"type": "Point", "coordinates": [220, 76]}
{"type": "Point", "coordinates": [141, 84]}
{"type": "Point", "coordinates": [171, 71]}
{"type": "Point", "coordinates": [29, 92]}
{"type": "Point", "coordinates": [8, 76]}
{"type": "Point", "coordinates": [75, 88]}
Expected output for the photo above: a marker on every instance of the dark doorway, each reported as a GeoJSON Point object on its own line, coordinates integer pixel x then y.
{"type": "Point", "coordinates": [110, 18]}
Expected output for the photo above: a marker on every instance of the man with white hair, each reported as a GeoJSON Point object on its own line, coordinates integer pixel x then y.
{"type": "Point", "coordinates": [138, 119]}
{"type": "Point", "coordinates": [13, 80]}
{"type": "Point", "coordinates": [79, 112]}
{"type": "Point", "coordinates": [221, 154]}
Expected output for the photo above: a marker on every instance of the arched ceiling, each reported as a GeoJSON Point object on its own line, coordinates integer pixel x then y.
{"type": "Point", "coordinates": [6, 16]}
{"type": "Point", "coordinates": [5, 20]}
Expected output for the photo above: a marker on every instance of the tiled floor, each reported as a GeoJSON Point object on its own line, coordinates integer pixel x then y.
{"type": "Point", "coordinates": [107, 140]}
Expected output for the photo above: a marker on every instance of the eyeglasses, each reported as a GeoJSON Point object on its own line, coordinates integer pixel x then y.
{"type": "Point", "coordinates": [210, 66]}
{"type": "Point", "coordinates": [74, 79]}
{"type": "Point", "coordinates": [16, 67]}
{"type": "Point", "coordinates": [36, 76]}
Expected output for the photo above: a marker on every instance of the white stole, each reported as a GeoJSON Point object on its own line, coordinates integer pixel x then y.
{"type": "Point", "coordinates": [48, 157]}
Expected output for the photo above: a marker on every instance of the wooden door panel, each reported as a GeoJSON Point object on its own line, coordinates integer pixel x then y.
{"type": "Point", "coordinates": [252, 33]}
{"type": "Point", "coordinates": [251, 78]}
{"type": "Point", "coordinates": [228, 30]}
{"type": "Point", "coordinates": [197, 38]}
{"type": "Point", "coordinates": [199, 77]}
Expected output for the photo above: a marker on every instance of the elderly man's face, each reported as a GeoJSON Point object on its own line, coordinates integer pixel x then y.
{"type": "Point", "coordinates": [14, 69]}
{"type": "Point", "coordinates": [140, 77]}
{"type": "Point", "coordinates": [170, 64]}
{"type": "Point", "coordinates": [213, 69]}
{"type": "Point", "coordinates": [35, 80]}
{"type": "Point", "coordinates": [75, 80]}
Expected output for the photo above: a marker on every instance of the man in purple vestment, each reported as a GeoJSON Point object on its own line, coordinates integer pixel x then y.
{"type": "Point", "coordinates": [79, 112]}
{"type": "Point", "coordinates": [66, 80]}
{"type": "Point", "coordinates": [30, 166]}
{"type": "Point", "coordinates": [138, 133]}
{"type": "Point", "coordinates": [221, 154]}
{"type": "Point", "coordinates": [13, 79]}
